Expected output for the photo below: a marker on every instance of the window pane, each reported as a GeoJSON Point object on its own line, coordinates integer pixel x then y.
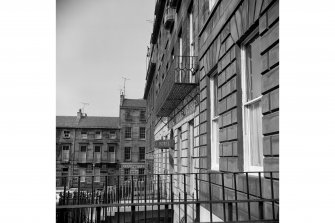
{"type": "Point", "coordinates": [83, 148]}
{"type": "Point", "coordinates": [215, 158]}
{"type": "Point", "coordinates": [253, 140]}
{"type": "Point", "coordinates": [142, 153]}
{"type": "Point", "coordinates": [216, 95]}
{"type": "Point", "coordinates": [65, 147]}
{"type": "Point", "coordinates": [98, 135]}
{"type": "Point", "coordinates": [97, 149]}
{"type": "Point", "coordinates": [66, 134]}
{"type": "Point", "coordinates": [255, 134]}
{"type": "Point", "coordinates": [128, 132]}
{"type": "Point", "coordinates": [142, 116]}
{"type": "Point", "coordinates": [112, 134]}
{"type": "Point", "coordinates": [254, 77]}
{"type": "Point", "coordinates": [127, 153]}
{"type": "Point", "coordinates": [142, 132]}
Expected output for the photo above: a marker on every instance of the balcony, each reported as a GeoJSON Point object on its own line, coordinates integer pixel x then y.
{"type": "Point", "coordinates": [180, 80]}
{"type": "Point", "coordinates": [169, 17]}
{"type": "Point", "coordinates": [205, 197]}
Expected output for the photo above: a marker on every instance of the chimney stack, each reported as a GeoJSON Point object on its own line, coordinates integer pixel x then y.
{"type": "Point", "coordinates": [121, 99]}
{"type": "Point", "coordinates": [79, 115]}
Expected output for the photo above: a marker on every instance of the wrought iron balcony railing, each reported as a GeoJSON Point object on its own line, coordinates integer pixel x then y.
{"type": "Point", "coordinates": [180, 80]}
{"type": "Point", "coordinates": [222, 196]}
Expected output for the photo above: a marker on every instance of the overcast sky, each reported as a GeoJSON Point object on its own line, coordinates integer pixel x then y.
{"type": "Point", "coordinates": [98, 43]}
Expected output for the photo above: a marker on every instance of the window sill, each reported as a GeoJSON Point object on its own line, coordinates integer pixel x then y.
{"type": "Point", "coordinates": [253, 100]}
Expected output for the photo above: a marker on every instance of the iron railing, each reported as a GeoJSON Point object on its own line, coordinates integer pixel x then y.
{"type": "Point", "coordinates": [223, 196]}
{"type": "Point", "coordinates": [181, 78]}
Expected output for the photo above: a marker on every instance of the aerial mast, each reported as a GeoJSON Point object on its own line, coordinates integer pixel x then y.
{"type": "Point", "coordinates": [84, 104]}
{"type": "Point", "coordinates": [124, 85]}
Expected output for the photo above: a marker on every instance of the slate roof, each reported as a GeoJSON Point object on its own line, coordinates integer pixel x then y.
{"type": "Point", "coordinates": [87, 122]}
{"type": "Point", "coordinates": [134, 103]}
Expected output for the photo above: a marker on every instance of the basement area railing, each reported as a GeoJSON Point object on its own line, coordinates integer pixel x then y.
{"type": "Point", "coordinates": [184, 197]}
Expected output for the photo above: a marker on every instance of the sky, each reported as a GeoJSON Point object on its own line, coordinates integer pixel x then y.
{"type": "Point", "coordinates": [97, 43]}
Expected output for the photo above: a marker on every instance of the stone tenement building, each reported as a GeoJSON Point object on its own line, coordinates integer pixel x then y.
{"type": "Point", "coordinates": [86, 146]}
{"type": "Point", "coordinates": [133, 136]}
{"type": "Point", "coordinates": [212, 91]}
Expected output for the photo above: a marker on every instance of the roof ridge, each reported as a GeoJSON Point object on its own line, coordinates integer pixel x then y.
{"type": "Point", "coordinates": [87, 122]}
